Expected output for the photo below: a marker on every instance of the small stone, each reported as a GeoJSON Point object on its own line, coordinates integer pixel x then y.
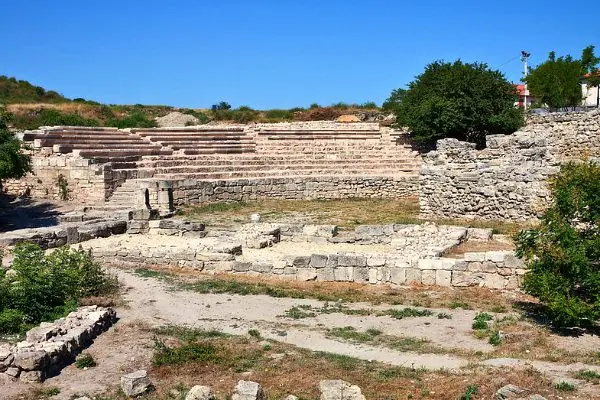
{"type": "Point", "coordinates": [255, 218]}
{"type": "Point", "coordinates": [290, 397]}
{"type": "Point", "coordinates": [199, 392]}
{"type": "Point", "coordinates": [135, 383]}
{"type": "Point", "coordinates": [13, 372]}
{"type": "Point", "coordinates": [510, 392]}
{"type": "Point", "coordinates": [31, 376]}
{"type": "Point", "coordinates": [339, 390]}
{"type": "Point", "coordinates": [248, 390]}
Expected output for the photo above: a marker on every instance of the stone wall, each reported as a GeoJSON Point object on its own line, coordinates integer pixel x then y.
{"type": "Point", "coordinates": [507, 179]}
{"type": "Point", "coordinates": [49, 347]}
{"type": "Point", "coordinates": [313, 187]}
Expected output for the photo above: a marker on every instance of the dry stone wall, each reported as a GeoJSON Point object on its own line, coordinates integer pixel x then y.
{"type": "Point", "coordinates": [51, 346]}
{"type": "Point", "coordinates": [508, 179]}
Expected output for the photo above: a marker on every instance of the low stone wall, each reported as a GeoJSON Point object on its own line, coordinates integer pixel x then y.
{"type": "Point", "coordinates": [60, 235]}
{"type": "Point", "coordinates": [508, 179]}
{"type": "Point", "coordinates": [49, 347]}
{"type": "Point", "coordinates": [317, 187]}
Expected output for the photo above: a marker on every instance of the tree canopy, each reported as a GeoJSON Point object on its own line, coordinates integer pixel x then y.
{"type": "Point", "coordinates": [466, 101]}
{"type": "Point", "coordinates": [13, 163]}
{"type": "Point", "coordinates": [557, 81]}
{"type": "Point", "coordinates": [563, 254]}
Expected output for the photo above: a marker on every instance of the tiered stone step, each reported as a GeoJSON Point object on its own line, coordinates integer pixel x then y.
{"type": "Point", "coordinates": [124, 197]}
{"type": "Point", "coordinates": [201, 140]}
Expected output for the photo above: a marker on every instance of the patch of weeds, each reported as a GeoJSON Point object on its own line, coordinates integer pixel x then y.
{"type": "Point", "coordinates": [299, 312]}
{"type": "Point", "coordinates": [495, 339]}
{"type": "Point", "coordinates": [444, 315]}
{"type": "Point", "coordinates": [588, 375]}
{"type": "Point", "coordinates": [85, 360]}
{"type": "Point", "coordinates": [407, 344]}
{"type": "Point", "coordinates": [470, 391]}
{"type": "Point", "coordinates": [454, 304]}
{"type": "Point", "coordinates": [480, 322]}
{"type": "Point", "coordinates": [341, 361]}
{"type": "Point", "coordinates": [400, 372]}
{"type": "Point", "coordinates": [267, 347]}
{"type": "Point", "coordinates": [254, 333]}
{"type": "Point", "coordinates": [406, 312]}
{"type": "Point", "coordinates": [350, 333]}
{"type": "Point", "coordinates": [189, 352]}
{"type": "Point", "coordinates": [150, 273]}
{"type": "Point", "coordinates": [188, 334]}
{"type": "Point", "coordinates": [44, 393]}
{"type": "Point", "coordinates": [565, 387]}
{"type": "Point", "coordinates": [498, 309]}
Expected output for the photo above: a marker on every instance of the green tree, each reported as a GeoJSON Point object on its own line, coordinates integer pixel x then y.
{"type": "Point", "coordinates": [393, 102]}
{"type": "Point", "coordinates": [557, 81]}
{"type": "Point", "coordinates": [13, 163]}
{"type": "Point", "coordinates": [457, 100]}
{"type": "Point", "coordinates": [563, 254]}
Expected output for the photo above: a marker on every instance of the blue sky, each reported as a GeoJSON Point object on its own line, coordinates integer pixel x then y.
{"type": "Point", "coordinates": [271, 54]}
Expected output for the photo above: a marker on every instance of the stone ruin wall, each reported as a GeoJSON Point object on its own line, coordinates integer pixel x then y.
{"type": "Point", "coordinates": [508, 179]}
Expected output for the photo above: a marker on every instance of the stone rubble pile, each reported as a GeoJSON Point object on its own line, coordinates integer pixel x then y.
{"type": "Point", "coordinates": [50, 346]}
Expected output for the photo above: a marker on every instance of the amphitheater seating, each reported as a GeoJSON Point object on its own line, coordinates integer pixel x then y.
{"type": "Point", "coordinates": [331, 132]}
{"type": "Point", "coordinates": [95, 143]}
{"type": "Point", "coordinates": [201, 140]}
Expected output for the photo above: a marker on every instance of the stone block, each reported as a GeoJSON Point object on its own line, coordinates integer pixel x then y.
{"type": "Point", "coordinates": [373, 276]}
{"type": "Point", "coordinates": [262, 267]}
{"type": "Point", "coordinates": [474, 256]}
{"type": "Point", "coordinates": [200, 393]}
{"type": "Point", "coordinates": [352, 260]}
{"type": "Point", "coordinates": [488, 266]}
{"type": "Point", "coordinates": [318, 260]}
{"type": "Point", "coordinates": [339, 390]}
{"type": "Point", "coordinates": [332, 261]}
{"type": "Point", "coordinates": [428, 277]}
{"type": "Point", "coordinates": [343, 274]}
{"type": "Point", "coordinates": [495, 256]}
{"type": "Point", "coordinates": [135, 383]}
{"type": "Point", "coordinates": [375, 261]}
{"type": "Point", "coordinates": [31, 360]}
{"type": "Point", "coordinates": [247, 390]}
{"type": "Point", "coordinates": [306, 274]}
{"type": "Point", "coordinates": [361, 274]}
{"type": "Point", "coordinates": [512, 261]}
{"type": "Point", "coordinates": [326, 274]}
{"type": "Point", "coordinates": [413, 275]}
{"type": "Point", "coordinates": [443, 277]}
{"type": "Point", "coordinates": [493, 281]}
{"type": "Point", "coordinates": [466, 278]}
{"type": "Point", "coordinates": [301, 261]}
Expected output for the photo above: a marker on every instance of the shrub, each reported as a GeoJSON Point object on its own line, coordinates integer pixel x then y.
{"type": "Point", "coordinates": [46, 287]}
{"type": "Point", "coordinates": [456, 100]}
{"type": "Point", "coordinates": [136, 119]}
{"type": "Point", "coordinates": [85, 360]}
{"type": "Point", "coordinates": [563, 254]}
{"type": "Point", "coordinates": [13, 163]}
{"type": "Point", "coordinates": [279, 115]}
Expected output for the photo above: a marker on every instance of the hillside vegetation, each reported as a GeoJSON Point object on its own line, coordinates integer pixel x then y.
{"type": "Point", "coordinates": [33, 106]}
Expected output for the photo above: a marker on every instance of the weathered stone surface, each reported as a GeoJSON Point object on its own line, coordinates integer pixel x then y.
{"type": "Point", "coordinates": [339, 390]}
{"type": "Point", "coordinates": [30, 360]}
{"type": "Point", "coordinates": [199, 392]}
{"type": "Point", "coordinates": [510, 392]}
{"type": "Point", "coordinates": [135, 383]}
{"type": "Point", "coordinates": [248, 390]}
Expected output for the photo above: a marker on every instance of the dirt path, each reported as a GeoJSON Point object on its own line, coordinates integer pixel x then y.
{"type": "Point", "coordinates": [153, 302]}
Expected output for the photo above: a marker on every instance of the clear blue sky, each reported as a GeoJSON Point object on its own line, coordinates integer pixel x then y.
{"type": "Point", "coordinates": [272, 54]}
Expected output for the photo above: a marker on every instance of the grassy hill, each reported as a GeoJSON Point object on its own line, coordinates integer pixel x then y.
{"type": "Point", "coordinates": [31, 106]}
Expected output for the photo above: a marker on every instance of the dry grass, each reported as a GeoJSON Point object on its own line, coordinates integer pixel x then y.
{"type": "Point", "coordinates": [89, 111]}
{"type": "Point", "coordinates": [346, 213]}
{"type": "Point", "coordinates": [283, 369]}
{"type": "Point", "coordinates": [474, 246]}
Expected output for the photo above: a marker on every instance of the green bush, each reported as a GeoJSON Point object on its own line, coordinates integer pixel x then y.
{"type": "Point", "coordinates": [563, 254]}
{"type": "Point", "coordinates": [456, 100]}
{"type": "Point", "coordinates": [46, 287]}
{"type": "Point", "coordinates": [13, 163]}
{"type": "Point", "coordinates": [51, 117]}
{"type": "Point", "coordinates": [136, 119]}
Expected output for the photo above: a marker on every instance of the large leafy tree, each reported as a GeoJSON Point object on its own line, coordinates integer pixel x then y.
{"type": "Point", "coordinates": [563, 254]}
{"type": "Point", "coordinates": [466, 101]}
{"type": "Point", "coordinates": [13, 163]}
{"type": "Point", "coordinates": [557, 81]}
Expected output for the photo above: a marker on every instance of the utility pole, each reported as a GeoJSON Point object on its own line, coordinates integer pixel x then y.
{"type": "Point", "coordinates": [524, 57]}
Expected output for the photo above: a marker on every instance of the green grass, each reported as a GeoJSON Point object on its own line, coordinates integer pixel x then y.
{"type": "Point", "coordinates": [85, 360]}
{"type": "Point", "coordinates": [588, 375]}
{"type": "Point", "coordinates": [150, 273]}
{"type": "Point", "coordinates": [188, 334]}
{"type": "Point", "coordinates": [454, 304]}
{"type": "Point", "coordinates": [495, 339]}
{"type": "Point", "coordinates": [400, 372]}
{"type": "Point", "coordinates": [254, 333]}
{"type": "Point", "coordinates": [406, 312]}
{"type": "Point", "coordinates": [351, 334]}
{"type": "Point", "coordinates": [469, 392]}
{"type": "Point", "coordinates": [444, 315]}
{"type": "Point", "coordinates": [480, 322]}
{"type": "Point", "coordinates": [186, 353]}
{"type": "Point", "coordinates": [565, 387]}
{"type": "Point", "coordinates": [341, 361]}
{"type": "Point", "coordinates": [300, 312]}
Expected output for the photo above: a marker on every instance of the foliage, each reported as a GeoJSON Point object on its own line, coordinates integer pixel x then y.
{"type": "Point", "coordinates": [457, 100]}
{"type": "Point", "coordinates": [85, 360]}
{"type": "Point", "coordinates": [495, 339]}
{"type": "Point", "coordinates": [202, 117]}
{"type": "Point", "coordinates": [45, 287]}
{"type": "Point", "coordinates": [136, 119]}
{"type": "Point", "coordinates": [222, 105]}
{"type": "Point", "coordinates": [63, 187]}
{"type": "Point", "coordinates": [563, 254]}
{"type": "Point", "coordinates": [13, 163]}
{"type": "Point", "coordinates": [276, 115]}
{"type": "Point", "coordinates": [480, 322]}
{"type": "Point", "coordinates": [51, 117]}
{"type": "Point", "coordinates": [469, 392]}
{"type": "Point", "coordinates": [557, 81]}
{"type": "Point", "coordinates": [565, 387]}
{"type": "Point", "coordinates": [20, 91]}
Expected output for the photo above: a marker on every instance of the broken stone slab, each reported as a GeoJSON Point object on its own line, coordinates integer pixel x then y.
{"type": "Point", "coordinates": [135, 383]}
{"type": "Point", "coordinates": [339, 390]}
{"type": "Point", "coordinates": [248, 390]}
{"type": "Point", "coordinates": [30, 360]}
{"type": "Point", "coordinates": [199, 392]}
{"type": "Point", "coordinates": [510, 392]}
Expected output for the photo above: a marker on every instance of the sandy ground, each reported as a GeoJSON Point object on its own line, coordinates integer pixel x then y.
{"type": "Point", "coordinates": [150, 302]}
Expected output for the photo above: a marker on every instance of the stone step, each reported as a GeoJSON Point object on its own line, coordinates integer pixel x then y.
{"type": "Point", "coordinates": [279, 174]}
{"type": "Point", "coordinates": [233, 150]}
{"type": "Point", "coordinates": [109, 154]}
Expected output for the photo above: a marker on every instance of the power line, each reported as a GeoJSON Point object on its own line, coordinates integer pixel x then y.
{"type": "Point", "coordinates": [511, 60]}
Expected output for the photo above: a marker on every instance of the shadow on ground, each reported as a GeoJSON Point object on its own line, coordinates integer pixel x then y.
{"type": "Point", "coordinates": [20, 213]}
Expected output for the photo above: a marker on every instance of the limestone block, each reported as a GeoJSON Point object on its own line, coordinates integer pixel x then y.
{"type": "Point", "coordinates": [30, 360]}
{"type": "Point", "coordinates": [339, 390]}
{"type": "Point", "coordinates": [413, 275]}
{"type": "Point", "coordinates": [463, 279]}
{"type": "Point", "coordinates": [375, 261]}
{"type": "Point", "coordinates": [31, 376]}
{"type": "Point", "coordinates": [351, 260]}
{"type": "Point", "coordinates": [495, 256]}
{"type": "Point", "coordinates": [247, 390]}
{"type": "Point", "coordinates": [374, 276]}
{"type": "Point", "coordinates": [135, 383]}
{"type": "Point", "coordinates": [443, 277]}
{"type": "Point", "coordinates": [262, 267]}
{"type": "Point", "coordinates": [343, 274]}
{"type": "Point", "coordinates": [306, 274]}
{"type": "Point", "coordinates": [512, 261]}
{"type": "Point", "coordinates": [301, 261]}
{"type": "Point", "coordinates": [428, 277]}
{"type": "Point", "coordinates": [361, 274]}
{"type": "Point", "coordinates": [332, 261]}
{"type": "Point", "coordinates": [474, 256]}
{"type": "Point", "coordinates": [200, 393]}
{"type": "Point", "coordinates": [318, 260]}
{"type": "Point", "coordinates": [488, 266]}
{"type": "Point", "coordinates": [326, 274]}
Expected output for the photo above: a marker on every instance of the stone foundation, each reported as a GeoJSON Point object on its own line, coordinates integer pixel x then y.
{"type": "Point", "coordinates": [49, 347]}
